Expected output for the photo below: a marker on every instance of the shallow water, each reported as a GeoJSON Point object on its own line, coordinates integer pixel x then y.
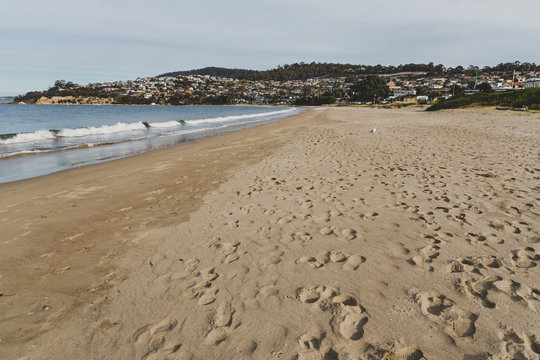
{"type": "Point", "coordinates": [41, 139]}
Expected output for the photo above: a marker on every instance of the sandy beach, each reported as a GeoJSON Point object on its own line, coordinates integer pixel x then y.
{"type": "Point", "coordinates": [305, 238]}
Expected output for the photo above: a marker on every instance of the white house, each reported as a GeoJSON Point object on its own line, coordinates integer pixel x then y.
{"type": "Point", "coordinates": [533, 82]}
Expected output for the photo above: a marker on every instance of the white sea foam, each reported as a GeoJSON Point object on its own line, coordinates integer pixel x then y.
{"type": "Point", "coordinates": [165, 124]}
{"type": "Point", "coordinates": [40, 135]}
{"type": "Point", "coordinates": [102, 130]}
{"type": "Point", "coordinates": [239, 117]}
{"type": "Point", "coordinates": [48, 135]}
{"type": "Point", "coordinates": [18, 153]}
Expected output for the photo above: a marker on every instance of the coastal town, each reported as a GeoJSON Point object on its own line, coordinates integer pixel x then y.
{"type": "Point", "coordinates": [403, 87]}
{"type": "Point", "coordinates": [407, 87]}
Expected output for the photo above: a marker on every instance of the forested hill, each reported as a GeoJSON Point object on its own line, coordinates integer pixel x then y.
{"type": "Point", "coordinates": [303, 71]}
{"type": "Point", "coordinates": [212, 71]}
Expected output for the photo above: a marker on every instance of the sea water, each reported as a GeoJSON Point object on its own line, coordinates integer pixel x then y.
{"type": "Point", "coordinates": [41, 139]}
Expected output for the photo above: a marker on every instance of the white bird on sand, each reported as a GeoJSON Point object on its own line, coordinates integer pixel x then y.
{"type": "Point", "coordinates": [373, 130]}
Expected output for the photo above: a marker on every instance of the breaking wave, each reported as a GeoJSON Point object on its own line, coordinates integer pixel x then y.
{"type": "Point", "coordinates": [48, 135]}
{"type": "Point", "coordinates": [54, 135]}
{"type": "Point", "coordinates": [240, 117]}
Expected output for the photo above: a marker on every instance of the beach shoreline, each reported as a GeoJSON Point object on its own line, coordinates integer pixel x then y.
{"type": "Point", "coordinates": [306, 237]}
{"type": "Point", "coordinates": [45, 140]}
{"type": "Point", "coordinates": [86, 204]}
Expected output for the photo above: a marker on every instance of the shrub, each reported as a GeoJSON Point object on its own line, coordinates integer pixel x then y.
{"type": "Point", "coordinates": [512, 98]}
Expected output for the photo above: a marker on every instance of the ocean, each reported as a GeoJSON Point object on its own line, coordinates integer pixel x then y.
{"type": "Point", "coordinates": [41, 139]}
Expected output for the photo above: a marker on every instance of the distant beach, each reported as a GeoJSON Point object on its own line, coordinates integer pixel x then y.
{"type": "Point", "coordinates": [308, 237]}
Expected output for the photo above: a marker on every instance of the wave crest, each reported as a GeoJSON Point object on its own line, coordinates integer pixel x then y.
{"type": "Point", "coordinates": [102, 130]}
{"type": "Point", "coordinates": [51, 135]}
{"type": "Point", "coordinates": [239, 117]}
{"type": "Point", "coordinates": [40, 135]}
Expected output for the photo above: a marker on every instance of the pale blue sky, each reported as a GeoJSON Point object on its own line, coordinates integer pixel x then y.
{"type": "Point", "coordinates": [98, 40]}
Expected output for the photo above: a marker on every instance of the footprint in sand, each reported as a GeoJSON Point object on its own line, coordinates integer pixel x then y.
{"type": "Point", "coordinates": [506, 226]}
{"type": "Point", "coordinates": [352, 326]}
{"type": "Point", "coordinates": [347, 234]}
{"type": "Point", "coordinates": [398, 250]}
{"type": "Point", "coordinates": [348, 262]}
{"type": "Point", "coordinates": [305, 202]}
{"type": "Point", "coordinates": [519, 293]}
{"type": "Point", "coordinates": [474, 264]}
{"type": "Point", "coordinates": [525, 258]}
{"type": "Point", "coordinates": [200, 286]}
{"type": "Point", "coordinates": [406, 353]}
{"type": "Point", "coordinates": [300, 237]}
{"type": "Point", "coordinates": [229, 251]}
{"type": "Point", "coordinates": [216, 336]}
{"type": "Point", "coordinates": [222, 324]}
{"type": "Point", "coordinates": [407, 207]}
{"type": "Point", "coordinates": [483, 239]}
{"type": "Point", "coordinates": [208, 297]}
{"type": "Point", "coordinates": [425, 257]}
{"type": "Point", "coordinates": [315, 347]}
{"type": "Point", "coordinates": [327, 230]}
{"type": "Point", "coordinates": [105, 282]}
{"type": "Point", "coordinates": [163, 327]}
{"type": "Point", "coordinates": [443, 311]}
{"type": "Point", "coordinates": [57, 271]}
{"type": "Point", "coordinates": [223, 315]}
{"type": "Point", "coordinates": [515, 291]}
{"type": "Point", "coordinates": [368, 216]}
{"type": "Point", "coordinates": [348, 316]}
{"type": "Point", "coordinates": [460, 218]}
{"type": "Point", "coordinates": [153, 339]}
{"type": "Point", "coordinates": [272, 256]}
{"type": "Point", "coordinates": [514, 346]}
{"type": "Point", "coordinates": [533, 239]}
{"type": "Point", "coordinates": [285, 220]}
{"type": "Point", "coordinates": [429, 224]}
{"type": "Point", "coordinates": [479, 288]}
{"type": "Point", "coordinates": [191, 264]}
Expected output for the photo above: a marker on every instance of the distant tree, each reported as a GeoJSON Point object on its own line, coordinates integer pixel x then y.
{"type": "Point", "coordinates": [371, 88]}
{"type": "Point", "coordinates": [439, 69]}
{"type": "Point", "coordinates": [60, 84]}
{"type": "Point", "coordinates": [485, 87]}
{"type": "Point", "coordinates": [422, 90]}
{"type": "Point", "coordinates": [457, 90]}
{"type": "Point", "coordinates": [327, 98]}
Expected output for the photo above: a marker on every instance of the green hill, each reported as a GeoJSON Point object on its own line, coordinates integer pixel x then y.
{"type": "Point", "coordinates": [212, 71]}
{"type": "Point", "coordinates": [303, 71]}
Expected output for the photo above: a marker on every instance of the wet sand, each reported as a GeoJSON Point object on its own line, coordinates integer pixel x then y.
{"type": "Point", "coordinates": [306, 238]}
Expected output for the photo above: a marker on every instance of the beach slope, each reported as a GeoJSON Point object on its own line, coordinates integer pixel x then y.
{"type": "Point", "coordinates": [307, 238]}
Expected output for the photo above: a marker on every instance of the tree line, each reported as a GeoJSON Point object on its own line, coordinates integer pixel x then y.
{"type": "Point", "coordinates": [303, 71]}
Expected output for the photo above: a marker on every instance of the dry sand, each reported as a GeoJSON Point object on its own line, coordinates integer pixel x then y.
{"type": "Point", "coordinates": [308, 238]}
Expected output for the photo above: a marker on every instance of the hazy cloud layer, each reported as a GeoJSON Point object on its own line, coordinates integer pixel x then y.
{"type": "Point", "coordinates": [42, 41]}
